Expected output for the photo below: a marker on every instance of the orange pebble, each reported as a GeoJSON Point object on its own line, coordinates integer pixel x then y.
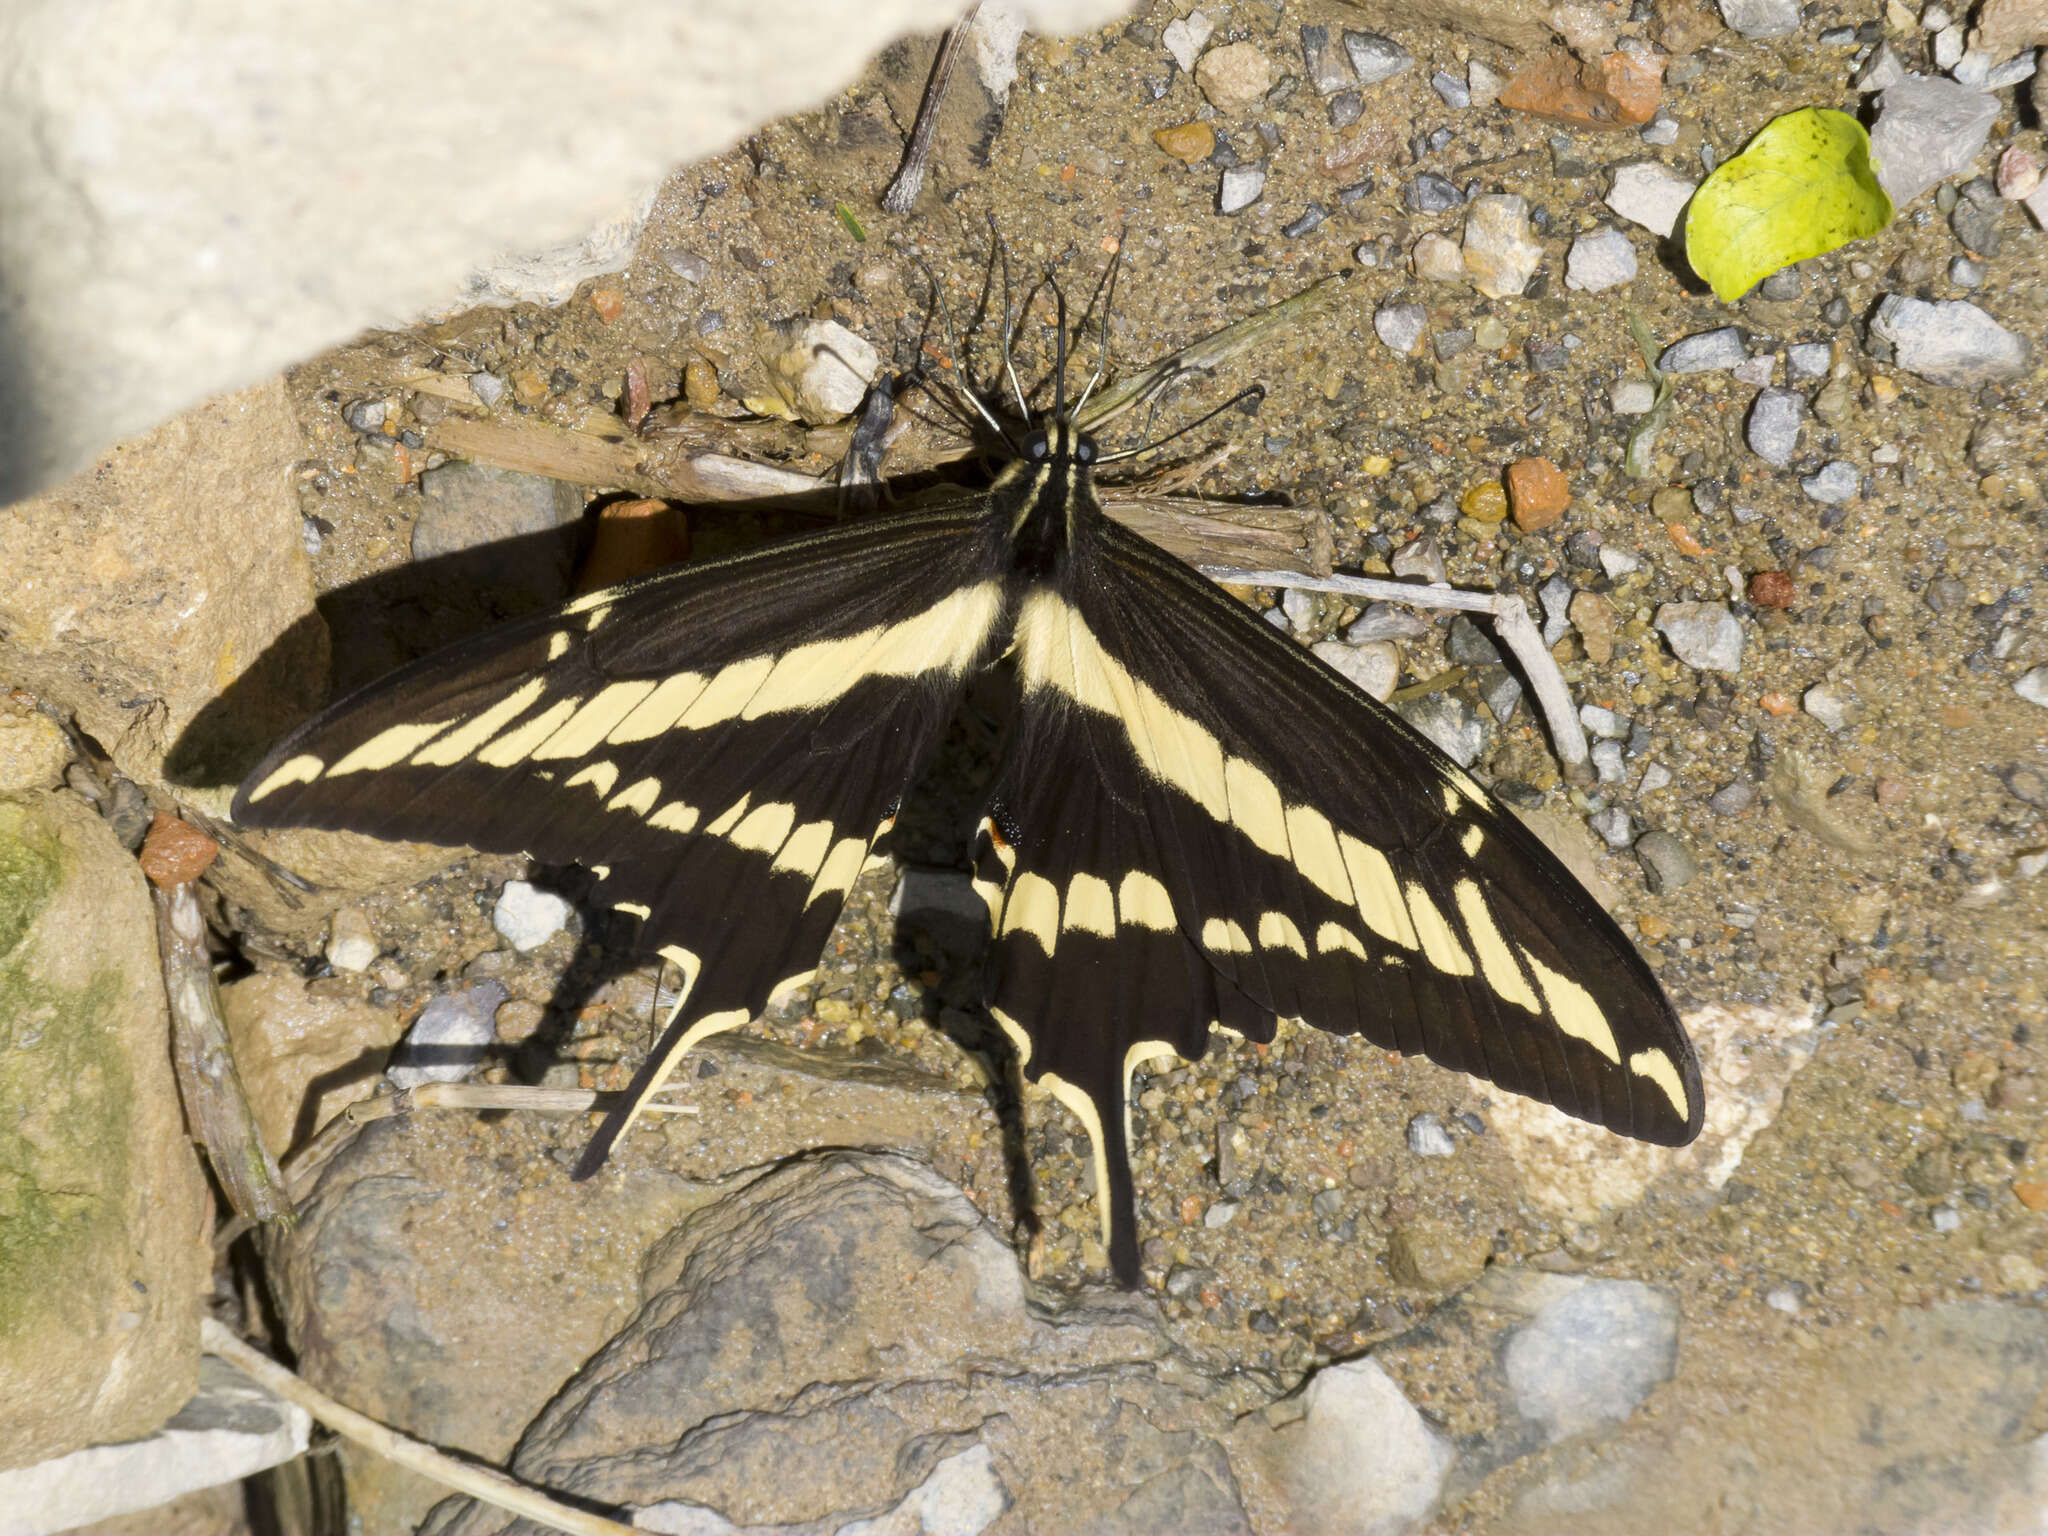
{"type": "Point", "coordinates": [1776, 704]}
{"type": "Point", "coordinates": [1682, 539]}
{"type": "Point", "coordinates": [1538, 493]}
{"type": "Point", "coordinates": [608, 302]}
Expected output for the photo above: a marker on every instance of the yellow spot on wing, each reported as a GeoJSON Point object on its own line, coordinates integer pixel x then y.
{"type": "Point", "coordinates": [1439, 944]}
{"type": "Point", "coordinates": [1316, 853]}
{"type": "Point", "coordinates": [766, 827]}
{"type": "Point", "coordinates": [836, 874]}
{"type": "Point", "coordinates": [638, 797]}
{"type": "Point", "coordinates": [726, 694]}
{"type": "Point", "coordinates": [600, 776]}
{"type": "Point", "coordinates": [730, 818]}
{"type": "Point", "coordinates": [658, 711]}
{"type": "Point", "coordinates": [1572, 1006]}
{"type": "Point", "coordinates": [805, 850]}
{"type": "Point", "coordinates": [1033, 907]}
{"type": "Point", "coordinates": [517, 742]}
{"type": "Point", "coordinates": [634, 909]}
{"type": "Point", "coordinates": [388, 746]}
{"type": "Point", "coordinates": [674, 817]}
{"type": "Point", "coordinates": [1496, 960]}
{"type": "Point", "coordinates": [1090, 907]}
{"type": "Point", "coordinates": [1255, 806]}
{"type": "Point", "coordinates": [1378, 892]}
{"type": "Point", "coordinates": [1654, 1066]}
{"type": "Point", "coordinates": [1220, 936]}
{"type": "Point", "coordinates": [466, 738]}
{"type": "Point", "coordinates": [302, 769]}
{"type": "Point", "coordinates": [1332, 937]}
{"type": "Point", "coordinates": [1143, 902]}
{"type": "Point", "coordinates": [558, 645]}
{"type": "Point", "coordinates": [590, 723]}
{"type": "Point", "coordinates": [1471, 841]}
{"type": "Point", "coordinates": [1277, 931]}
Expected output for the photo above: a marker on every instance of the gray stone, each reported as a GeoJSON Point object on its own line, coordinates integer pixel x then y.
{"type": "Point", "coordinates": [1650, 193]}
{"type": "Point", "coordinates": [1950, 342]}
{"type": "Point", "coordinates": [1668, 865]}
{"type": "Point", "coordinates": [1774, 422]}
{"type": "Point", "coordinates": [451, 1038]}
{"type": "Point", "coordinates": [1400, 326]}
{"type": "Point", "coordinates": [1373, 667]}
{"type": "Point", "coordinates": [1705, 352]}
{"type": "Point", "coordinates": [1966, 272]}
{"type": "Point", "coordinates": [816, 1345]}
{"type": "Point", "coordinates": [1614, 825]}
{"type": "Point", "coordinates": [1604, 722]}
{"type": "Point", "coordinates": [1705, 636]}
{"type": "Point", "coordinates": [528, 916]}
{"type": "Point", "coordinates": [1374, 57]}
{"type": "Point", "coordinates": [230, 1429]}
{"type": "Point", "coordinates": [1808, 359]}
{"type": "Point", "coordinates": [1732, 798]}
{"type": "Point", "coordinates": [1556, 597]}
{"type": "Point", "coordinates": [1927, 130]}
{"type": "Point", "coordinates": [1430, 193]}
{"type": "Point", "coordinates": [1833, 483]}
{"type": "Point", "coordinates": [1327, 69]}
{"type": "Point", "coordinates": [1428, 1138]}
{"type": "Point", "coordinates": [1831, 706]}
{"type": "Point", "coordinates": [1756, 371]}
{"type": "Point", "coordinates": [1880, 70]}
{"type": "Point", "coordinates": [1590, 1353]}
{"type": "Point", "coordinates": [1608, 764]}
{"type": "Point", "coordinates": [2033, 686]}
{"type": "Point", "coordinates": [822, 369]}
{"type": "Point", "coordinates": [1660, 131]}
{"type": "Point", "coordinates": [1422, 557]}
{"type": "Point", "coordinates": [1242, 185]}
{"type": "Point", "coordinates": [1387, 621]}
{"type": "Point", "coordinates": [1438, 259]}
{"type": "Point", "coordinates": [1483, 83]}
{"type": "Point", "coordinates": [1600, 259]}
{"type": "Point", "coordinates": [1456, 94]}
{"type": "Point", "coordinates": [1314, 1456]}
{"type": "Point", "coordinates": [1757, 19]}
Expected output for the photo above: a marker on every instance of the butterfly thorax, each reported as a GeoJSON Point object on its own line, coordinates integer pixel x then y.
{"type": "Point", "coordinates": [1045, 498]}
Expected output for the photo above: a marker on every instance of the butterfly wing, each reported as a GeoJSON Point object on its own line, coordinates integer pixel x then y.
{"type": "Point", "coordinates": [723, 744]}
{"type": "Point", "coordinates": [1211, 827]}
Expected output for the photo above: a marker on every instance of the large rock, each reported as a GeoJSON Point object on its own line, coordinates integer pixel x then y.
{"type": "Point", "coordinates": [1949, 342]}
{"type": "Point", "coordinates": [816, 1346]}
{"type": "Point", "coordinates": [193, 198]}
{"type": "Point", "coordinates": [303, 1055]}
{"type": "Point", "coordinates": [173, 570]}
{"type": "Point", "coordinates": [104, 1251]}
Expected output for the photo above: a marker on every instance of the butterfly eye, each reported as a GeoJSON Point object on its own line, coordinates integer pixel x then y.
{"type": "Point", "coordinates": [1036, 446]}
{"type": "Point", "coordinates": [1084, 450]}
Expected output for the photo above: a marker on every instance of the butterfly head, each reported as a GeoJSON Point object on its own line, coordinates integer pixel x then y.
{"type": "Point", "coordinates": [1057, 445]}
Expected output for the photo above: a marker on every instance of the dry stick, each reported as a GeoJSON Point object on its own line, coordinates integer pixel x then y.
{"type": "Point", "coordinates": [903, 192]}
{"type": "Point", "coordinates": [1511, 622]}
{"type": "Point", "coordinates": [478, 1481]}
{"type": "Point", "coordinates": [174, 855]}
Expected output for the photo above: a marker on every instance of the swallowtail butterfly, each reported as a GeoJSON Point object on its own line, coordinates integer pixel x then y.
{"type": "Point", "coordinates": [1198, 825]}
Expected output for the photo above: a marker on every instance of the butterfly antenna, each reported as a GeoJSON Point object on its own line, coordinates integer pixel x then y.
{"type": "Point", "coordinates": [1009, 331]}
{"type": "Point", "coordinates": [959, 363]}
{"type": "Point", "coordinates": [1108, 297]}
{"type": "Point", "coordinates": [1059, 354]}
{"type": "Point", "coordinates": [1254, 392]}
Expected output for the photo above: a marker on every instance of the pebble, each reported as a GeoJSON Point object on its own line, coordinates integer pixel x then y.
{"type": "Point", "coordinates": [1234, 77]}
{"type": "Point", "coordinates": [1600, 259]}
{"type": "Point", "coordinates": [1483, 84]}
{"type": "Point", "coordinates": [1593, 616]}
{"type": "Point", "coordinates": [487, 387]}
{"type": "Point", "coordinates": [1880, 70]}
{"type": "Point", "coordinates": [450, 1037]}
{"type": "Point", "coordinates": [2019, 174]}
{"type": "Point", "coordinates": [527, 916]}
{"type": "Point", "coordinates": [1241, 187]}
{"type": "Point", "coordinates": [1501, 254]}
{"type": "Point", "coordinates": [1651, 194]}
{"type": "Point", "coordinates": [1660, 131]}
{"type": "Point", "coordinates": [1836, 711]}
{"type": "Point", "coordinates": [1429, 193]}
{"type": "Point", "coordinates": [1438, 260]}
{"type": "Point", "coordinates": [1346, 108]}
{"type": "Point", "coordinates": [1400, 326]}
{"type": "Point", "coordinates": [687, 265]}
{"type": "Point", "coordinates": [1613, 826]}
{"type": "Point", "coordinates": [1490, 334]}
{"type": "Point", "coordinates": [1451, 722]}
{"type": "Point", "coordinates": [1976, 227]}
{"type": "Point", "coordinates": [1773, 589]}
{"type": "Point", "coordinates": [1946, 1218]}
{"type": "Point", "coordinates": [1732, 798]}
{"type": "Point", "coordinates": [1592, 1353]}
{"type": "Point", "coordinates": [1774, 422]}
{"type": "Point", "coordinates": [1310, 218]}
{"type": "Point", "coordinates": [1373, 667]}
{"type": "Point", "coordinates": [1486, 502]}
{"type": "Point", "coordinates": [1949, 342]}
{"type": "Point", "coordinates": [1668, 865]}
{"type": "Point", "coordinates": [2033, 686]}
{"type": "Point", "coordinates": [1808, 359]}
{"type": "Point", "coordinates": [351, 945]}
{"type": "Point", "coordinates": [1184, 37]}
{"type": "Point", "coordinates": [1631, 397]}
{"type": "Point", "coordinates": [1387, 621]}
{"type": "Point", "coordinates": [1966, 272]}
{"type": "Point", "coordinates": [825, 367]}
{"type": "Point", "coordinates": [1456, 94]}
{"type": "Point", "coordinates": [1538, 493]}
{"type": "Point", "coordinates": [1435, 1255]}
{"type": "Point", "coordinates": [1604, 722]}
{"type": "Point", "coordinates": [1422, 557]}
{"type": "Point", "coordinates": [1187, 142]}
{"type": "Point", "coordinates": [1705, 636]}
{"type": "Point", "coordinates": [1327, 69]}
{"type": "Point", "coordinates": [1758, 19]}
{"type": "Point", "coordinates": [1617, 563]}
{"type": "Point", "coordinates": [1833, 483]}
{"type": "Point", "coordinates": [1705, 351]}
{"type": "Point", "coordinates": [1927, 130]}
{"type": "Point", "coordinates": [1428, 1138]}
{"type": "Point", "coordinates": [1782, 286]}
{"type": "Point", "coordinates": [1607, 762]}
{"type": "Point", "coordinates": [1374, 57]}
{"type": "Point", "coordinates": [1655, 777]}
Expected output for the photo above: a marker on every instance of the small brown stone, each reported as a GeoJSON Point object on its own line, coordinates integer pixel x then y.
{"type": "Point", "coordinates": [609, 303]}
{"type": "Point", "coordinates": [1434, 1255]}
{"type": "Point", "coordinates": [700, 384]}
{"type": "Point", "coordinates": [1234, 77]}
{"type": "Point", "coordinates": [1773, 589]}
{"type": "Point", "coordinates": [1538, 493]}
{"type": "Point", "coordinates": [2032, 1193]}
{"type": "Point", "coordinates": [1187, 142]}
{"type": "Point", "coordinates": [1686, 26]}
{"type": "Point", "coordinates": [1621, 91]}
{"type": "Point", "coordinates": [1593, 616]}
{"type": "Point", "coordinates": [175, 852]}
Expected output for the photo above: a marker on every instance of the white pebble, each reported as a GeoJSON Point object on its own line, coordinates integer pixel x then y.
{"type": "Point", "coordinates": [528, 916]}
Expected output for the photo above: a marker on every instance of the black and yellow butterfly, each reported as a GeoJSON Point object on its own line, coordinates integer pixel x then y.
{"type": "Point", "coordinates": [1198, 825]}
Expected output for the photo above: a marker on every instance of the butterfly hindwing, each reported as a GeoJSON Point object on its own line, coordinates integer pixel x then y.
{"type": "Point", "coordinates": [1311, 850]}
{"type": "Point", "coordinates": [723, 744]}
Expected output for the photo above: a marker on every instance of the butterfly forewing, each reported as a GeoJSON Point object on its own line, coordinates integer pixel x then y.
{"type": "Point", "coordinates": [722, 744]}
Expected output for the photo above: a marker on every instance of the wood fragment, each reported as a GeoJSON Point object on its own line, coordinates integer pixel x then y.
{"type": "Point", "coordinates": [1212, 533]}
{"type": "Point", "coordinates": [485, 1483]}
{"type": "Point", "coordinates": [904, 190]}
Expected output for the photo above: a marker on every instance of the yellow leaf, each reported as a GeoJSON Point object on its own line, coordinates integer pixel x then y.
{"type": "Point", "coordinates": [1803, 186]}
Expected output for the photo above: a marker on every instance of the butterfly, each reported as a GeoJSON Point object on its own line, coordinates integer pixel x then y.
{"type": "Point", "coordinates": [1197, 826]}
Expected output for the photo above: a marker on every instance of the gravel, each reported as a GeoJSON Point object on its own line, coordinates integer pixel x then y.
{"type": "Point", "coordinates": [1833, 483]}
{"type": "Point", "coordinates": [1375, 58]}
{"type": "Point", "coordinates": [1400, 326]}
{"type": "Point", "coordinates": [1774, 422]}
{"type": "Point", "coordinates": [1705, 352]}
{"type": "Point", "coordinates": [1949, 342]}
{"type": "Point", "coordinates": [1600, 259]}
{"type": "Point", "coordinates": [1651, 194]}
{"type": "Point", "coordinates": [1705, 636]}
{"type": "Point", "coordinates": [1242, 186]}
